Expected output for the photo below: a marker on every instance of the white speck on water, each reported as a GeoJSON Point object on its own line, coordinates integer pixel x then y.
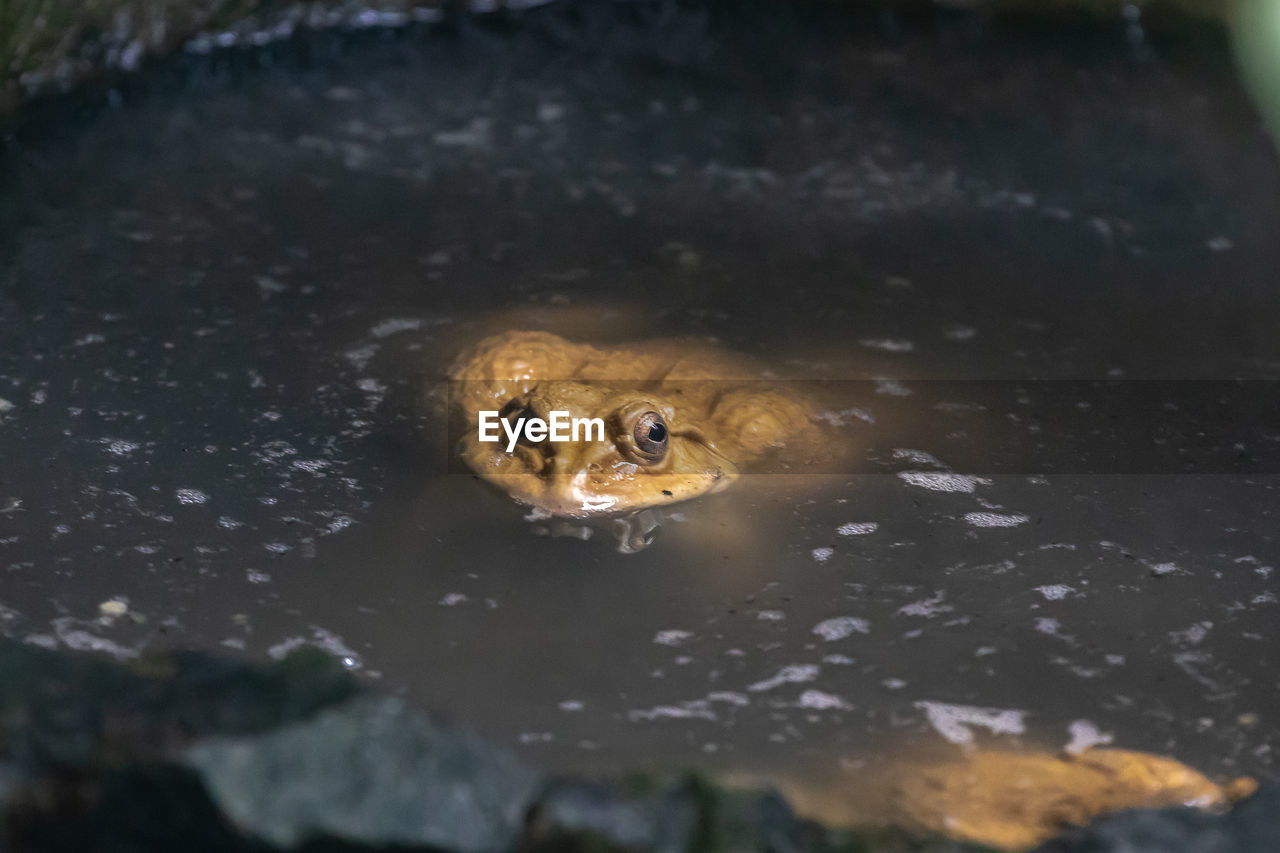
{"type": "Point", "coordinates": [278, 547]}
{"type": "Point", "coordinates": [927, 607]}
{"type": "Point", "coordinates": [892, 388]}
{"type": "Point", "coordinates": [6, 406]}
{"type": "Point", "coordinates": [255, 576]}
{"type": "Point", "coordinates": [672, 637]}
{"type": "Point", "coordinates": [311, 466]}
{"type": "Point", "coordinates": [190, 497]}
{"type": "Point", "coordinates": [822, 554]}
{"type": "Point", "coordinates": [1160, 569]}
{"type": "Point", "coordinates": [1220, 243]}
{"type": "Point", "coordinates": [69, 633]}
{"type": "Point", "coordinates": [571, 705]}
{"type": "Point", "coordinates": [1046, 625]}
{"type": "Point", "coordinates": [771, 616]}
{"type": "Point", "coordinates": [536, 737]}
{"type": "Point", "coordinates": [282, 649]}
{"type": "Point", "coordinates": [322, 639]}
{"type": "Point", "coordinates": [395, 325]}
{"type": "Point", "coordinates": [1264, 571]}
{"type": "Point", "coordinates": [841, 627]}
{"type": "Point", "coordinates": [1055, 591]}
{"type": "Point", "coordinates": [819, 701]}
{"type": "Point", "coordinates": [893, 684]}
{"type": "Point", "coordinates": [793, 674]}
{"type": "Point", "coordinates": [888, 344]}
{"type": "Point", "coordinates": [453, 598]}
{"type": "Point", "coordinates": [838, 660]}
{"type": "Point", "coordinates": [1193, 635]}
{"type": "Point", "coordinates": [1085, 735]}
{"type": "Point", "coordinates": [995, 519]}
{"type": "Point", "coordinates": [917, 457]}
{"type": "Point", "coordinates": [1190, 663]}
{"type": "Point", "coordinates": [845, 416]}
{"type": "Point", "coordinates": [341, 522]}
{"type": "Point", "coordinates": [39, 396]}
{"type": "Point", "coordinates": [729, 697]}
{"type": "Point", "coordinates": [858, 528]}
{"type": "Point", "coordinates": [120, 447]}
{"type": "Point", "coordinates": [953, 721]}
{"type": "Point", "coordinates": [90, 339]}
{"type": "Point", "coordinates": [960, 333]}
{"type": "Point", "coordinates": [360, 356]}
{"type": "Point", "coordinates": [228, 523]}
{"type": "Point", "coordinates": [696, 710]}
{"type": "Point", "coordinates": [145, 549]}
{"type": "Point", "coordinates": [941, 481]}
{"type": "Point", "coordinates": [114, 607]}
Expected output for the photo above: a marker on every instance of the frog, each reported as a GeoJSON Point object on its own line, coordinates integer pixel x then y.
{"type": "Point", "coordinates": [675, 419]}
{"type": "Point", "coordinates": [1014, 800]}
{"type": "Point", "coordinates": [1009, 799]}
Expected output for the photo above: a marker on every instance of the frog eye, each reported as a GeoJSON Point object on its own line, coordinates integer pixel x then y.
{"type": "Point", "coordinates": [651, 434]}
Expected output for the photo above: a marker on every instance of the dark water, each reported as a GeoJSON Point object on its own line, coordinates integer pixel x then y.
{"type": "Point", "coordinates": [223, 298]}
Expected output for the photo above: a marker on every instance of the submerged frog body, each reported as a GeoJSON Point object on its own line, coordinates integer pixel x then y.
{"type": "Point", "coordinates": [680, 419]}
{"type": "Point", "coordinates": [1006, 800]}
{"type": "Point", "coordinates": [1014, 801]}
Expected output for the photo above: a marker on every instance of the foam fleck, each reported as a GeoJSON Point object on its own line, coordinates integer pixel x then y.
{"type": "Point", "coordinates": [1085, 735]}
{"type": "Point", "coordinates": [995, 519]}
{"type": "Point", "coordinates": [858, 528]}
{"type": "Point", "coordinates": [793, 674]}
{"type": "Point", "coordinates": [1055, 591]}
{"type": "Point", "coordinates": [841, 627]}
{"type": "Point", "coordinates": [953, 722]}
{"type": "Point", "coordinates": [941, 481]}
{"type": "Point", "coordinates": [672, 637]}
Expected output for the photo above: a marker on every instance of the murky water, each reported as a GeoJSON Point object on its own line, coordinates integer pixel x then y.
{"type": "Point", "coordinates": [224, 296]}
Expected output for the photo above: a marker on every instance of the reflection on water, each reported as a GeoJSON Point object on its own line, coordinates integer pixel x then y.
{"type": "Point", "coordinates": [221, 308]}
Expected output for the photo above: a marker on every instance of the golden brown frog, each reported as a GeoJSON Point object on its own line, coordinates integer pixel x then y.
{"type": "Point", "coordinates": [1008, 800]}
{"type": "Point", "coordinates": [1016, 800]}
{"type": "Point", "coordinates": [679, 419]}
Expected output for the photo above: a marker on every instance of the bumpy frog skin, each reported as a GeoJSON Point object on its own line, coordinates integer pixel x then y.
{"type": "Point", "coordinates": [1014, 801]}
{"type": "Point", "coordinates": [1007, 800]}
{"type": "Point", "coordinates": [681, 419]}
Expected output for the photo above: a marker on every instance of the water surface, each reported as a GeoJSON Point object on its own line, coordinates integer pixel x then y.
{"type": "Point", "coordinates": [224, 296]}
